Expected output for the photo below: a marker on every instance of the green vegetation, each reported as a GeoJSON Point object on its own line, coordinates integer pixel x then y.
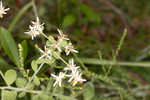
{"type": "Point", "coordinates": [110, 43]}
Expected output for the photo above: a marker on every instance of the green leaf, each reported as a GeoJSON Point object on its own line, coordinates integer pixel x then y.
{"type": "Point", "coordinates": [44, 60]}
{"type": "Point", "coordinates": [34, 65]}
{"type": "Point", "coordinates": [63, 97]}
{"type": "Point", "coordinates": [35, 97]}
{"type": "Point", "coordinates": [42, 97]}
{"type": "Point", "coordinates": [56, 54]}
{"type": "Point", "coordinates": [22, 94]}
{"type": "Point", "coordinates": [4, 66]}
{"type": "Point", "coordinates": [25, 48]}
{"type": "Point", "coordinates": [51, 40]}
{"type": "Point", "coordinates": [21, 82]}
{"type": "Point", "coordinates": [10, 76]}
{"type": "Point", "coordinates": [89, 91]}
{"type": "Point", "coordinates": [9, 45]}
{"type": "Point", "coordinates": [68, 20]}
{"type": "Point", "coordinates": [36, 81]}
{"type": "Point", "coordinates": [8, 95]}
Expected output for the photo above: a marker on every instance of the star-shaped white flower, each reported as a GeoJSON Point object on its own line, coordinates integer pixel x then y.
{"type": "Point", "coordinates": [70, 48]}
{"type": "Point", "coordinates": [35, 29]}
{"type": "Point", "coordinates": [2, 10]}
{"type": "Point", "coordinates": [58, 78]}
{"type": "Point", "coordinates": [75, 77]}
{"type": "Point", "coordinates": [33, 33]}
{"type": "Point", "coordinates": [37, 26]}
{"type": "Point", "coordinates": [71, 66]}
{"type": "Point", "coordinates": [62, 36]}
{"type": "Point", "coordinates": [45, 53]}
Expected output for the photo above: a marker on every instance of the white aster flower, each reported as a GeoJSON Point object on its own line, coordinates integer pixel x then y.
{"type": "Point", "coordinates": [33, 33]}
{"type": "Point", "coordinates": [62, 36]}
{"type": "Point", "coordinates": [58, 78]}
{"type": "Point", "coordinates": [2, 10]}
{"type": "Point", "coordinates": [71, 66]}
{"type": "Point", "coordinates": [75, 77]}
{"type": "Point", "coordinates": [37, 26]}
{"type": "Point", "coordinates": [45, 53]}
{"type": "Point", "coordinates": [35, 29]}
{"type": "Point", "coordinates": [70, 48]}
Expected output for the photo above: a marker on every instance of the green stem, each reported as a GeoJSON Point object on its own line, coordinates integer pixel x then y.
{"type": "Point", "coordinates": [118, 49]}
{"type": "Point", "coordinates": [61, 59]}
{"type": "Point", "coordinates": [33, 76]}
{"type": "Point", "coordinates": [20, 90]}
{"type": "Point", "coordinates": [3, 78]}
{"type": "Point", "coordinates": [108, 62]}
{"type": "Point", "coordinates": [44, 35]}
{"type": "Point", "coordinates": [34, 8]}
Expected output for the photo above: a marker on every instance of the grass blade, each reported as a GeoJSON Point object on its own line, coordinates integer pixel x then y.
{"type": "Point", "coordinates": [18, 16]}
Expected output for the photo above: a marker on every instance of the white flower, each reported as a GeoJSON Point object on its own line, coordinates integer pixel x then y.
{"type": "Point", "coordinates": [58, 78]}
{"type": "Point", "coordinates": [71, 66]}
{"type": "Point", "coordinates": [62, 36]}
{"type": "Point", "coordinates": [75, 77]}
{"type": "Point", "coordinates": [35, 29]}
{"type": "Point", "coordinates": [2, 10]}
{"type": "Point", "coordinates": [33, 33]}
{"type": "Point", "coordinates": [37, 26]}
{"type": "Point", "coordinates": [70, 48]}
{"type": "Point", "coordinates": [46, 53]}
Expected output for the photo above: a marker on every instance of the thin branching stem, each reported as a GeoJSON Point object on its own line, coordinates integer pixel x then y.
{"type": "Point", "coordinates": [110, 62]}
{"type": "Point", "coordinates": [20, 90]}
{"type": "Point", "coordinates": [61, 59]}
{"type": "Point", "coordinates": [118, 49]}
{"type": "Point", "coordinates": [35, 9]}
{"type": "Point", "coordinates": [33, 76]}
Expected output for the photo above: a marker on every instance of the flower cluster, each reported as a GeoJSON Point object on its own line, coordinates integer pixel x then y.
{"type": "Point", "coordinates": [61, 44]}
{"type": "Point", "coordinates": [2, 10]}
{"type": "Point", "coordinates": [55, 47]}
{"type": "Point", "coordinates": [35, 29]}
{"type": "Point", "coordinates": [72, 71]}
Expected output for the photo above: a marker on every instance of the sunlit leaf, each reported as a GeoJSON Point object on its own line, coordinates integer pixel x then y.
{"type": "Point", "coordinates": [21, 82]}
{"type": "Point", "coordinates": [34, 65]}
{"type": "Point", "coordinates": [36, 81]}
{"type": "Point", "coordinates": [10, 76]}
{"type": "Point", "coordinates": [8, 95]}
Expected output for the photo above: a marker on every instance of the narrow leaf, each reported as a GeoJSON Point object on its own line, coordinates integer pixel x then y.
{"type": "Point", "coordinates": [25, 48]}
{"type": "Point", "coordinates": [9, 45]}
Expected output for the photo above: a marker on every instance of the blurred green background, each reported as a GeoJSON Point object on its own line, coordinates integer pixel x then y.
{"type": "Point", "coordinates": [93, 26]}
